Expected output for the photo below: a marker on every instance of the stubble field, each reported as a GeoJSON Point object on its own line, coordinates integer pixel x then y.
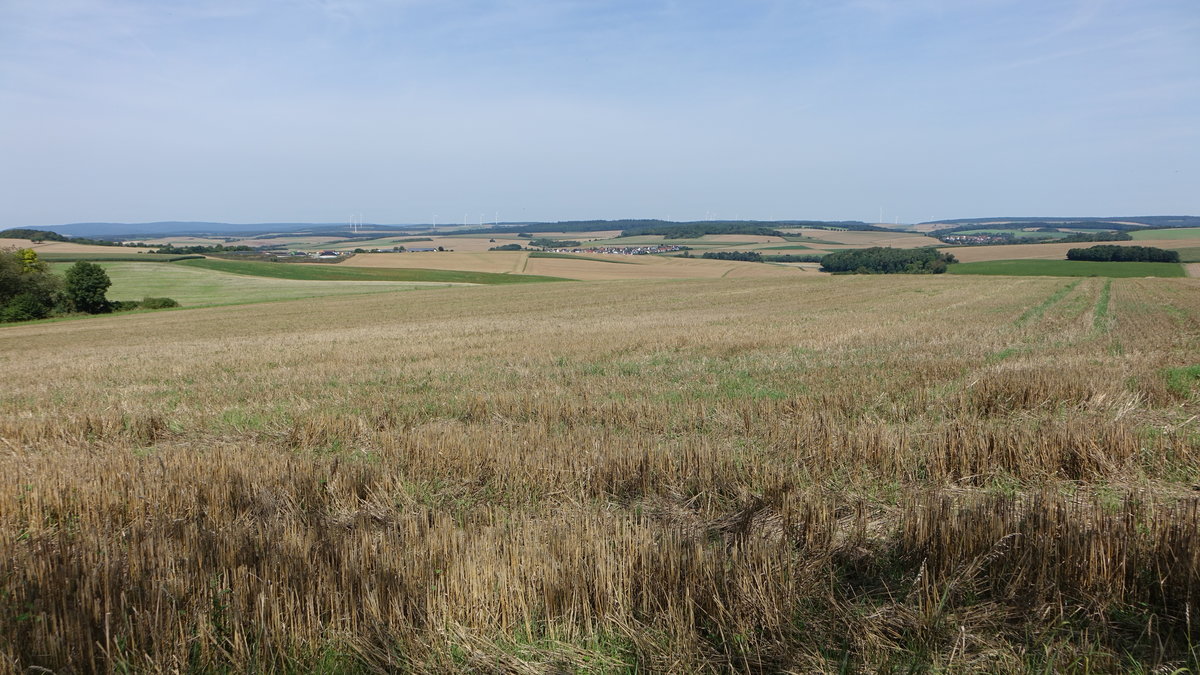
{"type": "Point", "coordinates": [799, 474]}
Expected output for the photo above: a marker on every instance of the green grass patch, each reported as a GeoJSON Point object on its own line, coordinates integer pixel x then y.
{"type": "Point", "coordinates": [570, 256]}
{"type": "Point", "coordinates": [1068, 268]}
{"type": "Point", "coordinates": [1174, 233]}
{"type": "Point", "coordinates": [1188, 254]}
{"type": "Point", "coordinates": [1183, 381]}
{"type": "Point", "coordinates": [320, 272]}
{"type": "Point", "coordinates": [115, 257]}
{"type": "Point", "coordinates": [793, 247]}
{"type": "Point", "coordinates": [199, 287]}
{"type": "Point", "coordinates": [1100, 317]}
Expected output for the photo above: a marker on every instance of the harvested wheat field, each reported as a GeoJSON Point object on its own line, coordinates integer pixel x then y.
{"type": "Point", "coordinates": [802, 474]}
{"type": "Point", "coordinates": [597, 267]}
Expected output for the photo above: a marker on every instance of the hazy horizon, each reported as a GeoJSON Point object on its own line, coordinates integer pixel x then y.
{"type": "Point", "coordinates": [411, 111]}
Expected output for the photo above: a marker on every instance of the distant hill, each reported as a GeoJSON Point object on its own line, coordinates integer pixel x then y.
{"type": "Point", "coordinates": [1144, 221]}
{"type": "Point", "coordinates": [130, 231]}
{"type": "Point", "coordinates": [181, 227]}
{"type": "Point", "coordinates": [178, 228]}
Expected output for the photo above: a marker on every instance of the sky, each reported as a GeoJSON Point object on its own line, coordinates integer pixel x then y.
{"type": "Point", "coordinates": [450, 111]}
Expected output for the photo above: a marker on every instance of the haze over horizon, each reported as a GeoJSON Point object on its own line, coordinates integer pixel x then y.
{"type": "Point", "coordinates": [407, 111]}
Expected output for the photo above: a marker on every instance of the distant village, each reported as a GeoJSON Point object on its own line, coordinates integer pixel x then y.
{"type": "Point", "coordinates": [621, 250]}
{"type": "Point", "coordinates": [605, 250]}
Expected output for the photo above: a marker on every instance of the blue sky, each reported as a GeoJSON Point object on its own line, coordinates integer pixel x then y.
{"type": "Point", "coordinates": [403, 110]}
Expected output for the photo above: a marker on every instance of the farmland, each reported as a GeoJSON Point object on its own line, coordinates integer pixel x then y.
{"type": "Point", "coordinates": [804, 473]}
{"type": "Point", "coordinates": [579, 267]}
{"type": "Point", "coordinates": [1047, 251]}
{"type": "Point", "coordinates": [198, 287]}
{"type": "Point", "coordinates": [1068, 268]}
{"type": "Point", "coordinates": [1192, 233]}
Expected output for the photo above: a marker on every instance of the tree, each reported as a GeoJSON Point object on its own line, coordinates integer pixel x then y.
{"type": "Point", "coordinates": [27, 288]}
{"type": "Point", "coordinates": [86, 285]}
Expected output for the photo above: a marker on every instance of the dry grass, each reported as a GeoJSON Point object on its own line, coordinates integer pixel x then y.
{"type": "Point", "coordinates": [585, 268]}
{"type": "Point", "coordinates": [804, 474]}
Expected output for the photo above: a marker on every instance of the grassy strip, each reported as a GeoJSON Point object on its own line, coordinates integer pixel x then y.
{"type": "Point", "coordinates": [1068, 268]}
{"type": "Point", "coordinates": [1037, 311]}
{"type": "Point", "coordinates": [1175, 233]}
{"type": "Point", "coordinates": [1100, 318]}
{"type": "Point", "coordinates": [1183, 380]}
{"type": "Point", "coordinates": [115, 257]}
{"type": "Point", "coordinates": [569, 256]}
{"type": "Point", "coordinates": [312, 272]}
{"type": "Point", "coordinates": [1189, 254]}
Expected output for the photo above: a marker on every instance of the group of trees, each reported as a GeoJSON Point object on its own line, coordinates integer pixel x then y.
{"type": "Point", "coordinates": [547, 242]}
{"type": "Point", "coordinates": [1097, 236]}
{"type": "Point", "coordinates": [30, 290]}
{"type": "Point", "coordinates": [1123, 254]}
{"type": "Point", "coordinates": [879, 260]}
{"type": "Point", "coordinates": [171, 249]}
{"type": "Point", "coordinates": [744, 256]}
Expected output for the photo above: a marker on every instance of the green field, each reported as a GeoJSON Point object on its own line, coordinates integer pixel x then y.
{"type": "Point", "coordinates": [1189, 254]}
{"type": "Point", "coordinates": [1177, 233]}
{"type": "Point", "coordinates": [114, 257]}
{"type": "Point", "coordinates": [333, 272]}
{"type": "Point", "coordinates": [198, 287]}
{"type": "Point", "coordinates": [1068, 268]}
{"type": "Point", "coordinates": [792, 247]}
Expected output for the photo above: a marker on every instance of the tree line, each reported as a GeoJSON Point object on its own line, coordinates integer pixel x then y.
{"type": "Point", "coordinates": [1123, 254]}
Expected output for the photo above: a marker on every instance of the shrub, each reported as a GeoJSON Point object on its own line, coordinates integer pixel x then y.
{"type": "Point", "coordinates": [158, 303]}
{"type": "Point", "coordinates": [24, 307]}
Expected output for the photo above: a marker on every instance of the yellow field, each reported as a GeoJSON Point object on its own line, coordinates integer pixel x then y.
{"type": "Point", "coordinates": [1046, 251]}
{"type": "Point", "coordinates": [800, 474]}
{"type": "Point", "coordinates": [586, 268]}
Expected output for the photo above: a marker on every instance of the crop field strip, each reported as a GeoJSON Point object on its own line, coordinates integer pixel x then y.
{"type": "Point", "coordinates": [804, 473]}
